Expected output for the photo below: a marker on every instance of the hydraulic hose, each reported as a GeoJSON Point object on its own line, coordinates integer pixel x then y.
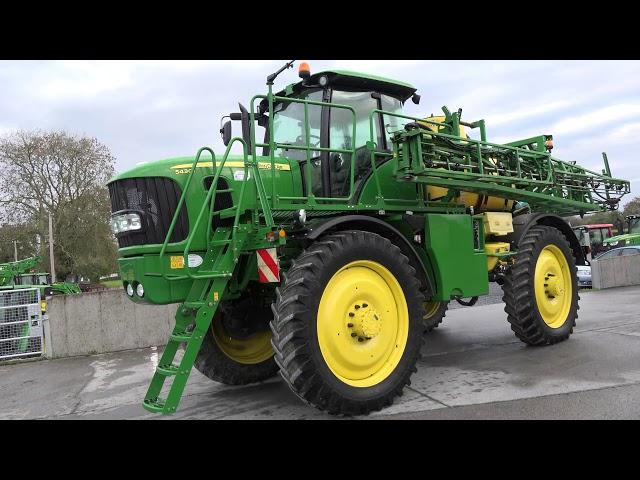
{"type": "Point", "coordinates": [470, 303]}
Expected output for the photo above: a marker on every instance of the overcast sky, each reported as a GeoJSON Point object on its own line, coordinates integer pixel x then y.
{"type": "Point", "coordinates": [148, 110]}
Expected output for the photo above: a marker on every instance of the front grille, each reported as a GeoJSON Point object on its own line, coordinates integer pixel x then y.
{"type": "Point", "coordinates": [157, 198]}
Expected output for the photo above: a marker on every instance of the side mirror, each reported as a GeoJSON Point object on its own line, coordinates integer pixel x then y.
{"type": "Point", "coordinates": [415, 98]}
{"type": "Point", "coordinates": [226, 132]}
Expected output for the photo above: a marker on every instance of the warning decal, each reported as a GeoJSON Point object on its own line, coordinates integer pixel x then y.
{"type": "Point", "coordinates": [268, 268]}
{"type": "Point", "coordinates": [177, 261]}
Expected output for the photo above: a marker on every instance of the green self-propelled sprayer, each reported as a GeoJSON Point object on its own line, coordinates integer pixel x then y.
{"type": "Point", "coordinates": [336, 239]}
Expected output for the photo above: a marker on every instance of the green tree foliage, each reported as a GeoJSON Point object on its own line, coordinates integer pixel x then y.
{"type": "Point", "coordinates": [26, 237]}
{"type": "Point", "coordinates": [599, 217]}
{"type": "Point", "coordinates": [42, 172]}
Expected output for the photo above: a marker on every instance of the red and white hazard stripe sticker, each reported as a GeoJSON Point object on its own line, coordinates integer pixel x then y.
{"type": "Point", "coordinates": [268, 265]}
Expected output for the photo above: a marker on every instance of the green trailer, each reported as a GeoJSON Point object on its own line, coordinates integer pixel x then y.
{"type": "Point", "coordinates": [335, 240]}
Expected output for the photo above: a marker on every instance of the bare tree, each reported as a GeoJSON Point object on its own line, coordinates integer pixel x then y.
{"type": "Point", "coordinates": [633, 207]}
{"type": "Point", "coordinates": [42, 172]}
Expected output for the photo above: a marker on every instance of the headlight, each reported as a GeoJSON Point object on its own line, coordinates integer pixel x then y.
{"type": "Point", "coordinates": [300, 216]}
{"type": "Point", "coordinates": [125, 222]}
{"type": "Point", "coordinates": [140, 290]}
{"type": "Point", "coordinates": [129, 289]}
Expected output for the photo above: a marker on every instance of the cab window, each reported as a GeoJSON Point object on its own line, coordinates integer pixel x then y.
{"type": "Point", "coordinates": [596, 237]}
{"type": "Point", "coordinates": [391, 123]}
{"type": "Point", "coordinates": [341, 136]}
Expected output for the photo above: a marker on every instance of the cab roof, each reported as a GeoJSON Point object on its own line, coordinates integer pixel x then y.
{"type": "Point", "coordinates": [356, 80]}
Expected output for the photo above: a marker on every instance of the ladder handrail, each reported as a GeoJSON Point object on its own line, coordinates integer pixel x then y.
{"type": "Point", "coordinates": [210, 201]}
{"type": "Point", "coordinates": [310, 197]}
{"type": "Point", "coordinates": [211, 195]}
{"type": "Point", "coordinates": [176, 214]}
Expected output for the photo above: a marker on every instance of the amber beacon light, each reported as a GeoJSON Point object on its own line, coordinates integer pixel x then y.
{"type": "Point", "coordinates": [304, 71]}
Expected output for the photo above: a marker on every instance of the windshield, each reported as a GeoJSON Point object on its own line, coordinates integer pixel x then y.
{"type": "Point", "coordinates": [596, 236]}
{"type": "Point", "coordinates": [581, 234]}
{"type": "Point", "coordinates": [289, 126]}
{"type": "Point", "coordinates": [634, 225]}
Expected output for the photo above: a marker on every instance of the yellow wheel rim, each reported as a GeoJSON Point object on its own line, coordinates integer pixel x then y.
{"type": "Point", "coordinates": [553, 286]}
{"type": "Point", "coordinates": [363, 323]}
{"type": "Point", "coordinates": [249, 351]}
{"type": "Point", "coordinates": [431, 308]}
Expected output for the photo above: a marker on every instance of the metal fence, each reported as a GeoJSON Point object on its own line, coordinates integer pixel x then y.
{"type": "Point", "coordinates": [21, 333]}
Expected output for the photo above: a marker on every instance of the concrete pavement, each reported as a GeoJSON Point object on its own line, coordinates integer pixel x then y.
{"type": "Point", "coordinates": [472, 367]}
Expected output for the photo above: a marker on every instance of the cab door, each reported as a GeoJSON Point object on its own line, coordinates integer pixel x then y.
{"type": "Point", "coordinates": [377, 129]}
{"type": "Point", "coordinates": [341, 136]}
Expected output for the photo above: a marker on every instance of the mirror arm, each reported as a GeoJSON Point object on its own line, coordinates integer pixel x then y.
{"type": "Point", "coordinates": [246, 127]}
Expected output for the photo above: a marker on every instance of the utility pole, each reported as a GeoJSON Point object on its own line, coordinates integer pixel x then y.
{"type": "Point", "coordinates": [15, 250]}
{"type": "Point", "coordinates": [53, 268]}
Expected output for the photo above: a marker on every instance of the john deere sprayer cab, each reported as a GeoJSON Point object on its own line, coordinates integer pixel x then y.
{"type": "Point", "coordinates": [327, 248]}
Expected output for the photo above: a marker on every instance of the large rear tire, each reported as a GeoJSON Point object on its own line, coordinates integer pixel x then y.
{"type": "Point", "coordinates": [540, 289]}
{"type": "Point", "coordinates": [347, 325]}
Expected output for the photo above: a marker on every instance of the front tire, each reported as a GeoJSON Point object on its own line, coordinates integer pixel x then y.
{"type": "Point", "coordinates": [347, 326]}
{"type": "Point", "coordinates": [236, 358]}
{"type": "Point", "coordinates": [540, 289]}
{"type": "Point", "coordinates": [434, 314]}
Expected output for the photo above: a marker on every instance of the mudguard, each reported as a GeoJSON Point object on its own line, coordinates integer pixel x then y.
{"type": "Point", "coordinates": [522, 224]}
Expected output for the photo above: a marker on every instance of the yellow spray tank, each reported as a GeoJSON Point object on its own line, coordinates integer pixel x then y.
{"type": "Point", "coordinates": [480, 203]}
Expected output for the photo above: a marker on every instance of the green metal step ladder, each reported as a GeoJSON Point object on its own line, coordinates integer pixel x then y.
{"type": "Point", "coordinates": [193, 319]}
{"type": "Point", "coordinates": [194, 316]}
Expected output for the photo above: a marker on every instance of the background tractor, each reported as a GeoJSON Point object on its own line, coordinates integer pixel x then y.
{"type": "Point", "coordinates": [592, 238]}
{"type": "Point", "coordinates": [632, 237]}
{"type": "Point", "coordinates": [332, 242]}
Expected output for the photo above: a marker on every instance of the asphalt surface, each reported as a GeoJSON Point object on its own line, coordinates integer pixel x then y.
{"type": "Point", "coordinates": [472, 368]}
